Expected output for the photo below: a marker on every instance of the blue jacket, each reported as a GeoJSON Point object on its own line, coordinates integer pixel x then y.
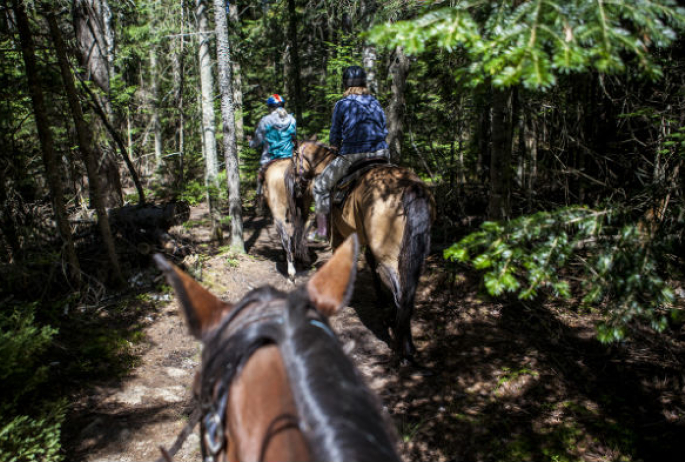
{"type": "Point", "coordinates": [275, 133]}
{"type": "Point", "coordinates": [359, 125]}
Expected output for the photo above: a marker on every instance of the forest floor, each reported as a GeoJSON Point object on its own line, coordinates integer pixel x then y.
{"type": "Point", "coordinates": [512, 382]}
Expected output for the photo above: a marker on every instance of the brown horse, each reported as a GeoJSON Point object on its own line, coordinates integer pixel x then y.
{"type": "Point", "coordinates": [391, 210]}
{"type": "Point", "coordinates": [286, 204]}
{"type": "Point", "coordinates": [275, 384]}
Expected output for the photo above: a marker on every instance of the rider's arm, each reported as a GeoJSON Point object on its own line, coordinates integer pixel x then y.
{"type": "Point", "coordinates": [258, 139]}
{"type": "Point", "coordinates": [335, 137]}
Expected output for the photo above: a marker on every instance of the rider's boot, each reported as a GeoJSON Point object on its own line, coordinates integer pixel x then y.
{"type": "Point", "coordinates": [321, 233]}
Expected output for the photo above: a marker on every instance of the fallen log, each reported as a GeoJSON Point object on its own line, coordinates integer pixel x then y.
{"type": "Point", "coordinates": [149, 217]}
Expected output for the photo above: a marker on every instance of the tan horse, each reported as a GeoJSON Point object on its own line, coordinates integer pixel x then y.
{"type": "Point", "coordinates": [286, 203]}
{"type": "Point", "coordinates": [275, 384]}
{"type": "Point", "coordinates": [391, 210]}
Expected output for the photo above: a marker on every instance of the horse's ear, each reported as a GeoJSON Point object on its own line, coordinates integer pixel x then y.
{"type": "Point", "coordinates": [331, 287]}
{"type": "Point", "coordinates": [201, 308]}
{"type": "Point", "coordinates": [314, 137]}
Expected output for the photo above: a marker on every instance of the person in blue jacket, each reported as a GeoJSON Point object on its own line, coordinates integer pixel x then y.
{"type": "Point", "coordinates": [275, 133]}
{"type": "Point", "coordinates": [358, 132]}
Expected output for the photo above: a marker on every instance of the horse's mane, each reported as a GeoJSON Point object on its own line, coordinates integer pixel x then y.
{"type": "Point", "coordinates": [315, 143]}
{"type": "Point", "coordinates": [342, 418]}
{"type": "Point", "coordinates": [339, 417]}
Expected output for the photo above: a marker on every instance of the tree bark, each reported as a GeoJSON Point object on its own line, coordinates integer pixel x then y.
{"type": "Point", "coordinates": [7, 225]}
{"type": "Point", "coordinates": [223, 54]}
{"type": "Point", "coordinates": [499, 207]}
{"type": "Point", "coordinates": [236, 72]}
{"type": "Point", "coordinates": [110, 37]}
{"type": "Point", "coordinates": [208, 122]}
{"type": "Point", "coordinates": [154, 108]}
{"type": "Point", "coordinates": [50, 160]}
{"type": "Point", "coordinates": [295, 80]}
{"type": "Point", "coordinates": [86, 148]}
{"type": "Point", "coordinates": [91, 41]}
{"type": "Point", "coordinates": [369, 58]}
{"type": "Point", "coordinates": [90, 26]}
{"type": "Point", "coordinates": [399, 69]}
{"type": "Point", "coordinates": [178, 63]}
{"type": "Point", "coordinates": [117, 140]}
{"type": "Point", "coordinates": [369, 54]}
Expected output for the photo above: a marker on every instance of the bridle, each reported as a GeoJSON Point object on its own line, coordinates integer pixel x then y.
{"type": "Point", "coordinates": [220, 365]}
{"type": "Point", "coordinates": [223, 359]}
{"type": "Point", "coordinates": [300, 158]}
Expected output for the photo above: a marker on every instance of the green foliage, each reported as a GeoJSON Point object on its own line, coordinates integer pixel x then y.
{"type": "Point", "coordinates": [28, 431]}
{"type": "Point", "coordinates": [24, 438]}
{"type": "Point", "coordinates": [535, 252]}
{"type": "Point", "coordinates": [530, 42]}
{"type": "Point", "coordinates": [21, 344]}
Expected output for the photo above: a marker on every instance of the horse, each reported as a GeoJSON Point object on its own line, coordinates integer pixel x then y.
{"type": "Point", "coordinates": [286, 204]}
{"type": "Point", "coordinates": [275, 383]}
{"type": "Point", "coordinates": [391, 210]}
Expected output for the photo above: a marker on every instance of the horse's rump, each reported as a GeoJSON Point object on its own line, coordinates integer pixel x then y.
{"type": "Point", "coordinates": [275, 190]}
{"type": "Point", "coordinates": [375, 208]}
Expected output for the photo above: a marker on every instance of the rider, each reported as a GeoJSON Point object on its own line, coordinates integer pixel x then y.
{"type": "Point", "coordinates": [275, 133]}
{"type": "Point", "coordinates": [358, 132]}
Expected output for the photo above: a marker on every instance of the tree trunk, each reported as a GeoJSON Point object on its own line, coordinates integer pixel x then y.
{"type": "Point", "coordinates": [236, 72]}
{"type": "Point", "coordinates": [369, 55]}
{"type": "Point", "coordinates": [92, 47]}
{"type": "Point", "coordinates": [110, 36]}
{"type": "Point", "coordinates": [86, 148]}
{"type": "Point", "coordinates": [399, 69]}
{"type": "Point", "coordinates": [531, 167]}
{"type": "Point", "coordinates": [7, 225]}
{"type": "Point", "coordinates": [91, 41]}
{"type": "Point", "coordinates": [154, 108]}
{"type": "Point", "coordinates": [483, 131]}
{"type": "Point", "coordinates": [295, 91]}
{"type": "Point", "coordinates": [50, 160]}
{"type": "Point", "coordinates": [223, 54]}
{"type": "Point", "coordinates": [178, 63]}
{"type": "Point", "coordinates": [499, 207]}
{"type": "Point", "coordinates": [208, 123]}
{"type": "Point", "coordinates": [369, 58]}
{"type": "Point", "coordinates": [123, 150]}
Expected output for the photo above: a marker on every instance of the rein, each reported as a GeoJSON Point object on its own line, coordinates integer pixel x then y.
{"type": "Point", "coordinates": [211, 414]}
{"type": "Point", "coordinates": [222, 363]}
{"type": "Point", "coordinates": [301, 157]}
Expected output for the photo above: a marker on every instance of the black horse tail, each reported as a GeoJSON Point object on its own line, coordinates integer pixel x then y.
{"type": "Point", "coordinates": [297, 214]}
{"type": "Point", "coordinates": [417, 204]}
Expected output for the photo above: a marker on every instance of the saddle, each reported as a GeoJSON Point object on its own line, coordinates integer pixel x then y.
{"type": "Point", "coordinates": [347, 183]}
{"type": "Point", "coordinates": [263, 168]}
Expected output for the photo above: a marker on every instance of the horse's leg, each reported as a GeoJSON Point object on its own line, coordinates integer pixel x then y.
{"type": "Point", "coordinates": [414, 250]}
{"type": "Point", "coordinates": [382, 298]}
{"type": "Point", "coordinates": [286, 241]}
{"type": "Point", "coordinates": [403, 337]}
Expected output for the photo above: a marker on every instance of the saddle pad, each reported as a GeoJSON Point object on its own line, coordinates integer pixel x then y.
{"type": "Point", "coordinates": [346, 184]}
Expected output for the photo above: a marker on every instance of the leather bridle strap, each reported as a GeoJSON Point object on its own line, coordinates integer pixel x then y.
{"type": "Point", "coordinates": [167, 455]}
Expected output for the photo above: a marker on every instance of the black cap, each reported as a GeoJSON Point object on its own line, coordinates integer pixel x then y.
{"type": "Point", "coordinates": [354, 76]}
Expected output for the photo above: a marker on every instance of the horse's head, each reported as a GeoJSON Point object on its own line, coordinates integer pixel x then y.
{"type": "Point", "coordinates": [311, 158]}
{"type": "Point", "coordinates": [275, 383]}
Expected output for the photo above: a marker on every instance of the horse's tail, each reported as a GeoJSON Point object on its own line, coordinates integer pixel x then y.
{"type": "Point", "coordinates": [296, 214]}
{"type": "Point", "coordinates": [418, 205]}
